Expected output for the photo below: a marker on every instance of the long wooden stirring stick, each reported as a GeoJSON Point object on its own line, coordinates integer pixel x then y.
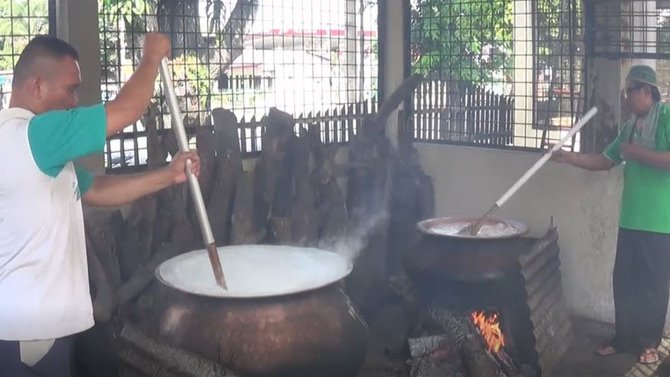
{"type": "Point", "coordinates": [473, 228]}
{"type": "Point", "coordinates": [180, 133]}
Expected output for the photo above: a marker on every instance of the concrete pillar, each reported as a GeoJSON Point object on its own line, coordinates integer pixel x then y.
{"type": "Point", "coordinates": [605, 91]}
{"type": "Point", "coordinates": [77, 23]}
{"type": "Point", "coordinates": [606, 77]}
{"type": "Point", "coordinates": [392, 20]}
{"type": "Point", "coordinates": [523, 72]}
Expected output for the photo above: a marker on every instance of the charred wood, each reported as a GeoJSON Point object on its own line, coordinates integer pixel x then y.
{"type": "Point", "coordinates": [228, 169]}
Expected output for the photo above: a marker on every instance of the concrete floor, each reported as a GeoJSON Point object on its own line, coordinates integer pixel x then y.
{"type": "Point", "coordinates": [580, 361]}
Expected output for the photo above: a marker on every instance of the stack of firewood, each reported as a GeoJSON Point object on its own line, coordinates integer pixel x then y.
{"type": "Point", "coordinates": [294, 195]}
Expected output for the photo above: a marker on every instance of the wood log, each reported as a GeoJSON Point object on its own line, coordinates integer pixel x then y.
{"type": "Point", "coordinates": [155, 358]}
{"type": "Point", "coordinates": [105, 230]}
{"type": "Point", "coordinates": [406, 88]}
{"type": "Point", "coordinates": [108, 294]}
{"type": "Point", "coordinates": [170, 143]}
{"type": "Point", "coordinates": [144, 275]}
{"type": "Point", "coordinates": [228, 171]}
{"type": "Point", "coordinates": [278, 132]}
{"type": "Point", "coordinates": [368, 198]}
{"type": "Point", "coordinates": [304, 216]}
{"type": "Point", "coordinates": [244, 229]}
{"type": "Point", "coordinates": [163, 220]}
{"type": "Point", "coordinates": [139, 231]}
{"type": "Point", "coordinates": [303, 161]}
{"type": "Point", "coordinates": [206, 147]}
{"type": "Point", "coordinates": [506, 363]}
{"type": "Point", "coordinates": [412, 200]}
{"type": "Point", "coordinates": [158, 152]}
{"type": "Point", "coordinates": [368, 206]}
{"type": "Point", "coordinates": [281, 230]}
{"type": "Point", "coordinates": [182, 235]}
{"type": "Point", "coordinates": [476, 359]}
{"type": "Point", "coordinates": [104, 298]}
{"type": "Point", "coordinates": [332, 207]}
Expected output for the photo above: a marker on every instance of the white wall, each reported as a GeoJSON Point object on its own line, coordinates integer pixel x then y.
{"type": "Point", "coordinates": [584, 205]}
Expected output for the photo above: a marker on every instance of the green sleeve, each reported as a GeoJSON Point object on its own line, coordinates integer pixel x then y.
{"type": "Point", "coordinates": [84, 179]}
{"type": "Point", "coordinates": [58, 137]}
{"type": "Point", "coordinates": [664, 125]}
{"type": "Point", "coordinates": [613, 150]}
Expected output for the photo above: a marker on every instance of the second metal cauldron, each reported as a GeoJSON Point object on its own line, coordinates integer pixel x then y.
{"type": "Point", "coordinates": [441, 254]}
{"type": "Point", "coordinates": [284, 314]}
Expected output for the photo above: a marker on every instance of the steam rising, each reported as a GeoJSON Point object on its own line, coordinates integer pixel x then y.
{"type": "Point", "coordinates": [351, 244]}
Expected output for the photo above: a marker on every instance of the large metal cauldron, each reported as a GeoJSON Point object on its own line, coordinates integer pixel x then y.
{"type": "Point", "coordinates": [443, 254]}
{"type": "Point", "coordinates": [284, 313]}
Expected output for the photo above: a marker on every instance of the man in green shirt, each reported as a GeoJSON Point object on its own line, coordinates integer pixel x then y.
{"type": "Point", "coordinates": [641, 278]}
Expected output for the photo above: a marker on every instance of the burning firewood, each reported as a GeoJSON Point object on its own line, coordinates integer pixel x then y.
{"type": "Point", "coordinates": [476, 360]}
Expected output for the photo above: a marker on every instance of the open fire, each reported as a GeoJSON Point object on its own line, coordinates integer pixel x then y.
{"type": "Point", "coordinates": [489, 326]}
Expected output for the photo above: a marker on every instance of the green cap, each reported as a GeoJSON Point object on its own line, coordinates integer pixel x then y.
{"type": "Point", "coordinates": [642, 73]}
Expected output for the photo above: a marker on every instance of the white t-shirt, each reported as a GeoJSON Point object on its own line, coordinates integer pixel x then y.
{"type": "Point", "coordinates": [44, 286]}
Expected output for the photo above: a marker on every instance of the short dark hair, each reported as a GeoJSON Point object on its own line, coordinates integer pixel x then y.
{"type": "Point", "coordinates": [41, 46]}
{"type": "Point", "coordinates": [655, 93]}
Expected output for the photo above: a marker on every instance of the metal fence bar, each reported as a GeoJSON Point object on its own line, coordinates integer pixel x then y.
{"type": "Point", "coordinates": [300, 56]}
{"type": "Point", "coordinates": [499, 62]}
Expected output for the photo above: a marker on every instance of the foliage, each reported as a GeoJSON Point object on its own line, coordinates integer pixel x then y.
{"type": "Point", "coordinates": [472, 40]}
{"type": "Point", "coordinates": [19, 21]}
{"type": "Point", "coordinates": [469, 40]}
{"type": "Point", "coordinates": [664, 32]}
{"type": "Point", "coordinates": [126, 9]}
{"type": "Point", "coordinates": [191, 78]}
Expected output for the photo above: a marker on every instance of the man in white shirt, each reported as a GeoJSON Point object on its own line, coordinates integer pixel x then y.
{"type": "Point", "coordinates": [44, 286]}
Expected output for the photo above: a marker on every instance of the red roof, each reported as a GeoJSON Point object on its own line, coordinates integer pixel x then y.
{"type": "Point", "coordinates": [313, 32]}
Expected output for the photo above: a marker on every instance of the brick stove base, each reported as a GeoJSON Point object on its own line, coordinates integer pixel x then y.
{"type": "Point", "coordinates": [534, 315]}
{"type": "Point", "coordinates": [549, 315]}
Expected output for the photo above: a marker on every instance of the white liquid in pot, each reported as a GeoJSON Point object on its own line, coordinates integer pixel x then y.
{"type": "Point", "coordinates": [255, 271]}
{"type": "Point", "coordinates": [487, 230]}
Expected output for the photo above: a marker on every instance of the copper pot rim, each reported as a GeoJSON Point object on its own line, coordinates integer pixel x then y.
{"type": "Point", "coordinates": [227, 295]}
{"type": "Point", "coordinates": [427, 226]}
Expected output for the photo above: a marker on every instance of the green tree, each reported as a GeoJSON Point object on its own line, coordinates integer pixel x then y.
{"type": "Point", "coordinates": [468, 41]}
{"type": "Point", "coordinates": [19, 21]}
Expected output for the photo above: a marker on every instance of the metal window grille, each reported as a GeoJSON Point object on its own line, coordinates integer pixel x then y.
{"type": "Point", "coordinates": [314, 59]}
{"type": "Point", "coordinates": [633, 29]}
{"type": "Point", "coordinates": [20, 20]}
{"type": "Point", "coordinates": [629, 29]}
{"type": "Point", "coordinates": [501, 73]}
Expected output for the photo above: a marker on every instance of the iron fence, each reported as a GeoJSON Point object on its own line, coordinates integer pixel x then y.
{"type": "Point", "coordinates": [20, 20]}
{"type": "Point", "coordinates": [632, 29]}
{"type": "Point", "coordinates": [478, 116]}
{"type": "Point", "coordinates": [300, 56]}
{"type": "Point", "coordinates": [638, 29]}
{"type": "Point", "coordinates": [510, 73]}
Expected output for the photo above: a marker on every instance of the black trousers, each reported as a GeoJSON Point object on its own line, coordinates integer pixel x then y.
{"type": "Point", "coordinates": [55, 363]}
{"type": "Point", "coordinates": [641, 286]}
{"type": "Point", "coordinates": [95, 352]}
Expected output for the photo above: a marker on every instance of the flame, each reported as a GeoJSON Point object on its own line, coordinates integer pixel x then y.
{"type": "Point", "coordinates": [489, 327]}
